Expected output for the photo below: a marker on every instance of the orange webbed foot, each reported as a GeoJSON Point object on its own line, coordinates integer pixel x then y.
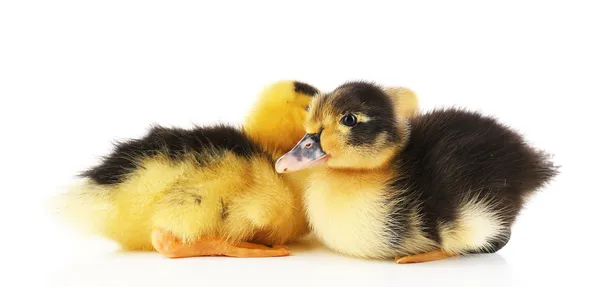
{"type": "Point", "coordinates": [424, 257]}
{"type": "Point", "coordinates": [169, 245]}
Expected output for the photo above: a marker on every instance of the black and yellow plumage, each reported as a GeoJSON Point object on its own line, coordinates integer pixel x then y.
{"type": "Point", "coordinates": [439, 184]}
{"type": "Point", "coordinates": [205, 182]}
{"type": "Point", "coordinates": [208, 190]}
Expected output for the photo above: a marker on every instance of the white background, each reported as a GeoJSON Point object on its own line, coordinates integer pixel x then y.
{"type": "Point", "coordinates": [76, 75]}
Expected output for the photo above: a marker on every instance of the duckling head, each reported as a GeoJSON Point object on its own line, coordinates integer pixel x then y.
{"type": "Point", "coordinates": [356, 126]}
{"type": "Point", "coordinates": [276, 118]}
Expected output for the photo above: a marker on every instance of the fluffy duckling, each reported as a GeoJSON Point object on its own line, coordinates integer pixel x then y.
{"type": "Point", "coordinates": [441, 184]}
{"type": "Point", "coordinates": [202, 191]}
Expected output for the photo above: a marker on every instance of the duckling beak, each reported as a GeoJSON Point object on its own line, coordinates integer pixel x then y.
{"type": "Point", "coordinates": [305, 154]}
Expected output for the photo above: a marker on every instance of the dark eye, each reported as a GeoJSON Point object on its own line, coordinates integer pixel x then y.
{"type": "Point", "coordinates": [349, 120]}
{"type": "Point", "coordinates": [307, 108]}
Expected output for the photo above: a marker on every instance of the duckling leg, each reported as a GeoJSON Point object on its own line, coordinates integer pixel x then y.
{"type": "Point", "coordinates": [424, 257]}
{"type": "Point", "coordinates": [169, 245]}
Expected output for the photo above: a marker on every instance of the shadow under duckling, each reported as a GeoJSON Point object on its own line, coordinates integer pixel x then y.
{"type": "Point", "coordinates": [208, 190]}
{"type": "Point", "coordinates": [437, 185]}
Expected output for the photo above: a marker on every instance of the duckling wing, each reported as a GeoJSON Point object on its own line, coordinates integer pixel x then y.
{"type": "Point", "coordinates": [468, 177]}
{"type": "Point", "coordinates": [175, 144]}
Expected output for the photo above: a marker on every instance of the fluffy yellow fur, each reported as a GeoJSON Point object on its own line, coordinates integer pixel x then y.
{"type": "Point", "coordinates": [278, 133]}
{"type": "Point", "coordinates": [405, 101]}
{"type": "Point", "coordinates": [347, 211]}
{"type": "Point", "coordinates": [475, 225]}
{"type": "Point", "coordinates": [261, 205]}
{"type": "Point", "coordinates": [188, 201]}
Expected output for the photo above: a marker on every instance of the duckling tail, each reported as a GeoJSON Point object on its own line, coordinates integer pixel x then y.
{"type": "Point", "coordinates": [85, 206]}
{"type": "Point", "coordinates": [541, 171]}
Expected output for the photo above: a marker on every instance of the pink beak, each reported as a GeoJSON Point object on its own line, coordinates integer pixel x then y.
{"type": "Point", "coordinates": [305, 154]}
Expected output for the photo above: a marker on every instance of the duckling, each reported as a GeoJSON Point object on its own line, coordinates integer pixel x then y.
{"type": "Point", "coordinates": [203, 191]}
{"type": "Point", "coordinates": [441, 184]}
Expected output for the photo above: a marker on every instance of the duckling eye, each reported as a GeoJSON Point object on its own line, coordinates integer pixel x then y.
{"type": "Point", "coordinates": [307, 108]}
{"type": "Point", "coordinates": [349, 120]}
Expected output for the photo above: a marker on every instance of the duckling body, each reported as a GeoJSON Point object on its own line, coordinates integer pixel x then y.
{"type": "Point", "coordinates": [175, 189]}
{"type": "Point", "coordinates": [347, 211]}
{"type": "Point", "coordinates": [211, 181]}
{"type": "Point", "coordinates": [445, 183]}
